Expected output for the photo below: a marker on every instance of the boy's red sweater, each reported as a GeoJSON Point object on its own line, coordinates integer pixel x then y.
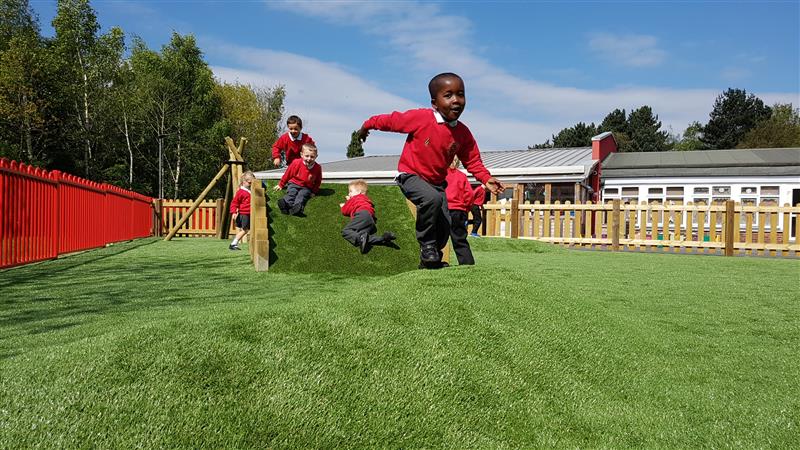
{"type": "Point", "coordinates": [290, 148]}
{"type": "Point", "coordinates": [430, 145]}
{"type": "Point", "coordinates": [358, 203]}
{"type": "Point", "coordinates": [299, 174]}
{"type": "Point", "coordinates": [459, 191]}
{"type": "Point", "coordinates": [241, 202]}
{"type": "Point", "coordinates": [479, 196]}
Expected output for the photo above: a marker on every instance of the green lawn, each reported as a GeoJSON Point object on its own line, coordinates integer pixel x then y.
{"type": "Point", "coordinates": [181, 344]}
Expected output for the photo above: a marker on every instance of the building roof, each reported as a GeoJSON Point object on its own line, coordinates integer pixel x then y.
{"type": "Point", "coordinates": [556, 164]}
{"type": "Point", "coordinates": [699, 163]}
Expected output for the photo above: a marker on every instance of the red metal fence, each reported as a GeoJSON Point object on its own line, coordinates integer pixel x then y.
{"type": "Point", "coordinates": [44, 214]}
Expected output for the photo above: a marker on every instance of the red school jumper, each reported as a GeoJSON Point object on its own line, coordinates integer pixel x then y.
{"type": "Point", "coordinates": [241, 202]}
{"type": "Point", "coordinates": [358, 203]}
{"type": "Point", "coordinates": [459, 191]}
{"type": "Point", "coordinates": [431, 145]}
{"type": "Point", "coordinates": [290, 148]}
{"type": "Point", "coordinates": [299, 174]}
{"type": "Point", "coordinates": [480, 196]}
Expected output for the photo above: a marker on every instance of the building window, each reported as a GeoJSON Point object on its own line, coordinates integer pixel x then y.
{"type": "Point", "coordinates": [611, 191]}
{"type": "Point", "coordinates": [721, 191]}
{"type": "Point", "coordinates": [655, 195]}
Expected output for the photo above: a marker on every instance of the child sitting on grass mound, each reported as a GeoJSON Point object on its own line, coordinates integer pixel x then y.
{"type": "Point", "coordinates": [301, 179]}
{"type": "Point", "coordinates": [290, 143]}
{"type": "Point", "coordinates": [435, 137]}
{"type": "Point", "coordinates": [361, 229]}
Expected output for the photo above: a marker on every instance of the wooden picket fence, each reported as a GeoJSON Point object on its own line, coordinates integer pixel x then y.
{"type": "Point", "coordinates": [728, 229]}
{"type": "Point", "coordinates": [205, 220]}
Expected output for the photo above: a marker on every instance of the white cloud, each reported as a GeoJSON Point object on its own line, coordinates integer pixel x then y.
{"type": "Point", "coordinates": [505, 111]}
{"type": "Point", "coordinates": [629, 50]}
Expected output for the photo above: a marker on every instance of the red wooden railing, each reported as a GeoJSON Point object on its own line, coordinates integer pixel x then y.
{"type": "Point", "coordinates": [44, 214]}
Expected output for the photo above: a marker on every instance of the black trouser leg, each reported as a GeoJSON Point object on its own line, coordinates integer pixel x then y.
{"type": "Point", "coordinates": [361, 223]}
{"type": "Point", "coordinates": [477, 219]}
{"type": "Point", "coordinates": [433, 217]}
{"type": "Point", "coordinates": [458, 235]}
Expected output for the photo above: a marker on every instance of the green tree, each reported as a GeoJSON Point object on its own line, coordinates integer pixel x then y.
{"type": "Point", "coordinates": [691, 138]}
{"type": "Point", "coordinates": [617, 123]}
{"type": "Point", "coordinates": [87, 65]}
{"type": "Point", "coordinates": [782, 129]}
{"type": "Point", "coordinates": [579, 135]}
{"type": "Point", "coordinates": [254, 113]}
{"type": "Point", "coordinates": [355, 148]}
{"type": "Point", "coordinates": [734, 114]}
{"type": "Point", "coordinates": [645, 132]}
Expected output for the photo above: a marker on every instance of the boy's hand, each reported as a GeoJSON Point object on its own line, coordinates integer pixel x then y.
{"type": "Point", "coordinates": [362, 134]}
{"type": "Point", "coordinates": [276, 162]}
{"type": "Point", "coordinates": [277, 187]}
{"type": "Point", "coordinates": [494, 185]}
{"type": "Point", "coordinates": [233, 216]}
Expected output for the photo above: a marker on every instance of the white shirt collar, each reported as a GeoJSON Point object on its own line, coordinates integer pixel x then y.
{"type": "Point", "coordinates": [440, 119]}
{"type": "Point", "coordinates": [299, 136]}
{"type": "Point", "coordinates": [244, 188]}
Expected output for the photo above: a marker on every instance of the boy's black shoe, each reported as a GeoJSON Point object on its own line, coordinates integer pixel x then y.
{"type": "Point", "coordinates": [429, 254]}
{"type": "Point", "coordinates": [234, 247]}
{"type": "Point", "coordinates": [388, 237]}
{"type": "Point", "coordinates": [296, 210]}
{"type": "Point", "coordinates": [283, 206]}
{"type": "Point", "coordinates": [363, 243]}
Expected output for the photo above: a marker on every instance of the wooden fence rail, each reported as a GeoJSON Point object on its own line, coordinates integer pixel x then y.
{"type": "Point", "coordinates": [205, 220]}
{"type": "Point", "coordinates": [728, 228]}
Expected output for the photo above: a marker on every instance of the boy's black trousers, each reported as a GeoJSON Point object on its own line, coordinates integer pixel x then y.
{"type": "Point", "coordinates": [296, 194]}
{"type": "Point", "coordinates": [433, 217]}
{"type": "Point", "coordinates": [458, 235]}
{"type": "Point", "coordinates": [361, 223]}
{"type": "Point", "coordinates": [477, 219]}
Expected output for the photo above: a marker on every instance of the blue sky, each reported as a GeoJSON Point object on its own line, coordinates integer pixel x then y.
{"type": "Point", "coordinates": [531, 68]}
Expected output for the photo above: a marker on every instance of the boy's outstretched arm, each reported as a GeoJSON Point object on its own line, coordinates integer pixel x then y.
{"type": "Point", "coordinates": [362, 134]}
{"type": "Point", "coordinates": [495, 186]}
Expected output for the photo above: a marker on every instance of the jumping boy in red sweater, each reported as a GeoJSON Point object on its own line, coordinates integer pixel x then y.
{"type": "Point", "coordinates": [291, 142]}
{"type": "Point", "coordinates": [302, 179]}
{"type": "Point", "coordinates": [361, 229]}
{"type": "Point", "coordinates": [240, 208]}
{"type": "Point", "coordinates": [435, 137]}
{"type": "Point", "coordinates": [459, 200]}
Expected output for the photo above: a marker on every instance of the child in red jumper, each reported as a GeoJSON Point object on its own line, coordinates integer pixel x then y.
{"type": "Point", "coordinates": [240, 208]}
{"type": "Point", "coordinates": [291, 142]}
{"type": "Point", "coordinates": [302, 179]}
{"type": "Point", "coordinates": [459, 200]}
{"type": "Point", "coordinates": [435, 137]}
{"type": "Point", "coordinates": [478, 199]}
{"type": "Point", "coordinates": [361, 229]}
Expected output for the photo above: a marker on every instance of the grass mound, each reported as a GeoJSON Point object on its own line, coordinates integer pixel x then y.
{"type": "Point", "coordinates": [314, 243]}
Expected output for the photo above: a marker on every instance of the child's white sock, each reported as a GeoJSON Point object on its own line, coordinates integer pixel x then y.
{"type": "Point", "coordinates": [235, 241]}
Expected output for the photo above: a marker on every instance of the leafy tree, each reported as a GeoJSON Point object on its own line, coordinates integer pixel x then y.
{"type": "Point", "coordinates": [16, 18]}
{"type": "Point", "coordinates": [579, 135]}
{"type": "Point", "coordinates": [645, 134]}
{"type": "Point", "coordinates": [734, 114]}
{"type": "Point", "coordinates": [690, 139]}
{"type": "Point", "coordinates": [617, 123]}
{"type": "Point", "coordinates": [544, 145]}
{"type": "Point", "coordinates": [782, 129]}
{"type": "Point", "coordinates": [355, 148]}
{"type": "Point", "coordinates": [254, 113]}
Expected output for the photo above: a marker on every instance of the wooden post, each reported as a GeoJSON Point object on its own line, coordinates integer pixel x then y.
{"type": "Point", "coordinates": [729, 227]}
{"type": "Point", "coordinates": [220, 214]}
{"type": "Point", "coordinates": [514, 218]}
{"type": "Point", "coordinates": [578, 193]}
{"type": "Point", "coordinates": [615, 226]}
{"type": "Point", "coordinates": [197, 202]}
{"type": "Point", "coordinates": [259, 232]}
{"type": "Point", "coordinates": [225, 219]}
{"type": "Point", "coordinates": [548, 191]}
{"type": "Point", "coordinates": [157, 217]}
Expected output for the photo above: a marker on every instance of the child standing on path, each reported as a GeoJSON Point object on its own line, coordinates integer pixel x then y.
{"type": "Point", "coordinates": [459, 200]}
{"type": "Point", "coordinates": [361, 229]}
{"type": "Point", "coordinates": [435, 137]}
{"type": "Point", "coordinates": [291, 142]}
{"type": "Point", "coordinates": [302, 179]}
{"type": "Point", "coordinates": [240, 208]}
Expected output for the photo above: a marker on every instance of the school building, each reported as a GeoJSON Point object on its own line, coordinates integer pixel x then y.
{"type": "Point", "coordinates": [546, 175]}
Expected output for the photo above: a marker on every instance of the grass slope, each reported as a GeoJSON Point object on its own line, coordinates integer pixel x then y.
{"type": "Point", "coordinates": [315, 244]}
{"type": "Point", "coordinates": [181, 344]}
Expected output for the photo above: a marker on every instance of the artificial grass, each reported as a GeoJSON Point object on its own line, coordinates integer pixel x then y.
{"type": "Point", "coordinates": [315, 244]}
{"type": "Point", "coordinates": [181, 344]}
